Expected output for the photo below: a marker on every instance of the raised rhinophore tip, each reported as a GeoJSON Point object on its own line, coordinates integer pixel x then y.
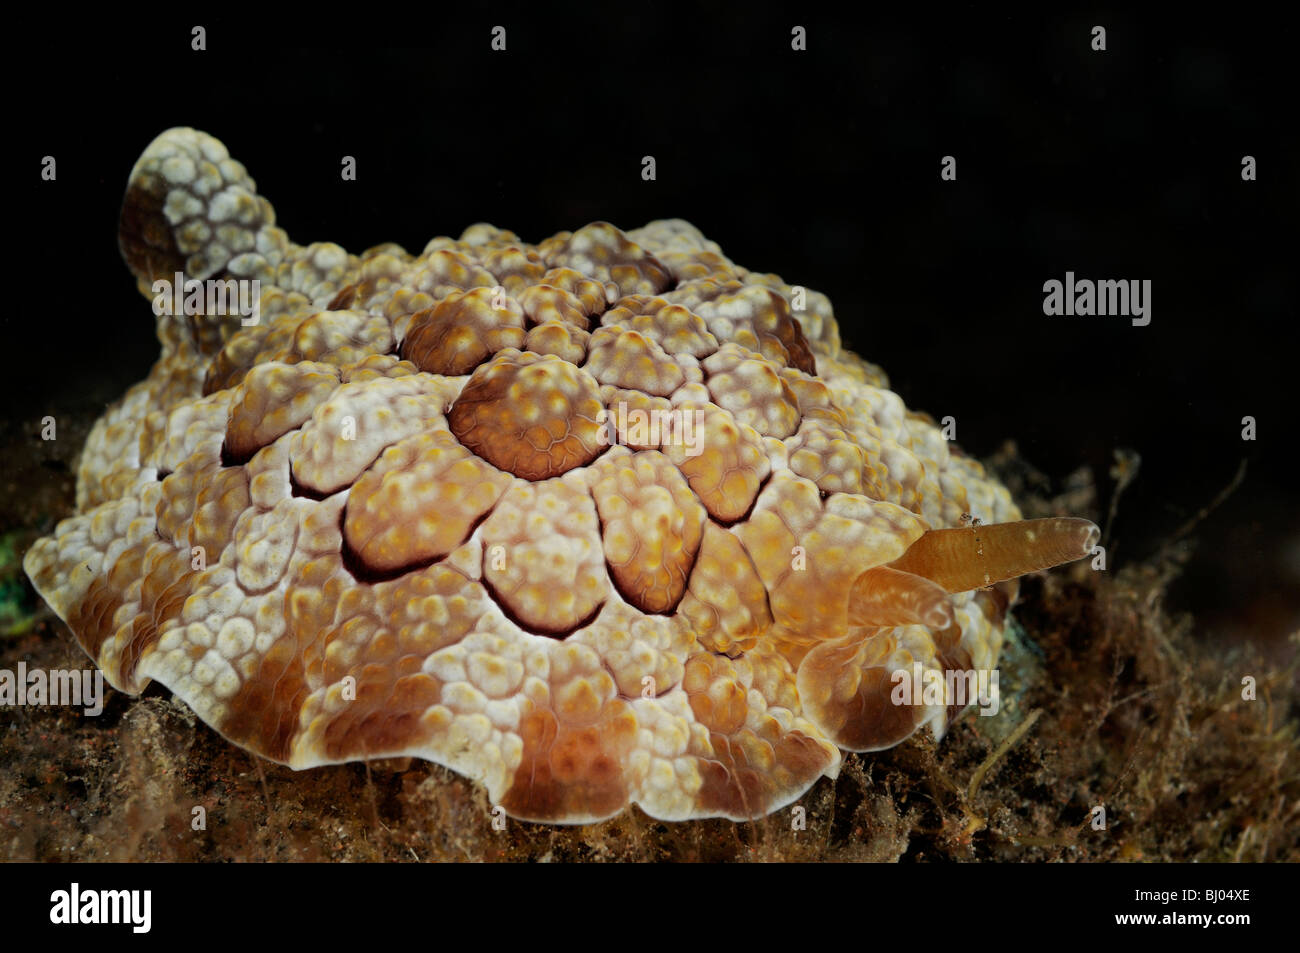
{"type": "Point", "coordinates": [190, 211]}
{"type": "Point", "coordinates": [188, 207]}
{"type": "Point", "coordinates": [974, 557]}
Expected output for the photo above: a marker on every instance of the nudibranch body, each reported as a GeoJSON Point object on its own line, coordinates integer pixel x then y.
{"type": "Point", "coordinates": [603, 520]}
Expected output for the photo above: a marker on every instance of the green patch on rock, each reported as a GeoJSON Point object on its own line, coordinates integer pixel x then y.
{"type": "Point", "coordinates": [19, 607]}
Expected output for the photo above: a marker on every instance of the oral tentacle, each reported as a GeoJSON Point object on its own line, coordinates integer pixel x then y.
{"type": "Point", "coordinates": [975, 557]}
{"type": "Point", "coordinates": [884, 597]}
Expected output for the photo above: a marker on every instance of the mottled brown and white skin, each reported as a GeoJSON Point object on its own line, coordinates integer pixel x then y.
{"type": "Point", "coordinates": [386, 520]}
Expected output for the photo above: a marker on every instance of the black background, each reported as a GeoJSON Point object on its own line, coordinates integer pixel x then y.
{"type": "Point", "coordinates": [822, 166]}
{"type": "Point", "coordinates": [351, 904]}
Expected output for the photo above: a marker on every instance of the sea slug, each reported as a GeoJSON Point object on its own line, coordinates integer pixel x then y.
{"type": "Point", "coordinates": [603, 520]}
